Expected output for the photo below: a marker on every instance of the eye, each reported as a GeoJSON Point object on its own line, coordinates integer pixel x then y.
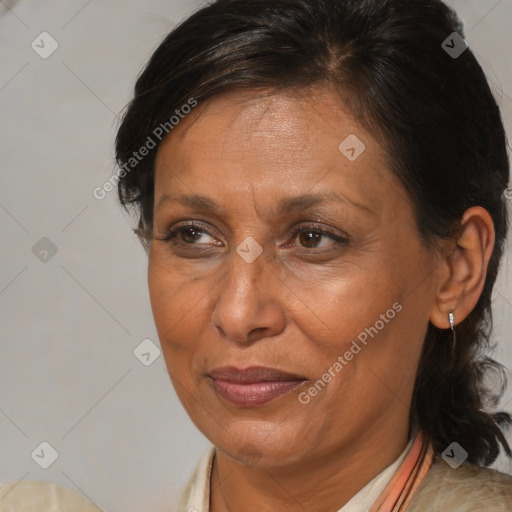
{"type": "Point", "coordinates": [186, 234]}
{"type": "Point", "coordinates": [309, 236]}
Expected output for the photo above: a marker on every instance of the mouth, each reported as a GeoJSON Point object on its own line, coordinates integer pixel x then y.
{"type": "Point", "coordinates": [254, 386]}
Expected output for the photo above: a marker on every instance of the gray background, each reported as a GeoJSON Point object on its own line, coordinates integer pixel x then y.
{"type": "Point", "coordinates": [69, 326]}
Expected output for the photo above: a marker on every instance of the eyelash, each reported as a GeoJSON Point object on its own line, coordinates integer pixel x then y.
{"type": "Point", "coordinates": [198, 227]}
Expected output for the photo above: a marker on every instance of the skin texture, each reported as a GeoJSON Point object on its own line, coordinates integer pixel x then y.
{"type": "Point", "coordinates": [295, 310]}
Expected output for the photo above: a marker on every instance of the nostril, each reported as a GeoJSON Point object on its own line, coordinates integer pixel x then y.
{"type": "Point", "coordinates": [255, 333]}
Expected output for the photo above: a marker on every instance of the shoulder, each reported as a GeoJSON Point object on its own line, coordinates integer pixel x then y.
{"type": "Point", "coordinates": [468, 488]}
{"type": "Point", "coordinates": [196, 494]}
{"type": "Point", "coordinates": [27, 496]}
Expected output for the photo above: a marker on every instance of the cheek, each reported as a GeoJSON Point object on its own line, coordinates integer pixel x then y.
{"type": "Point", "coordinates": [177, 305]}
{"type": "Point", "coordinates": [370, 318]}
{"type": "Point", "coordinates": [343, 306]}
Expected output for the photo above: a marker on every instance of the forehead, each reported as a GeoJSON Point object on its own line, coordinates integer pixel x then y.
{"type": "Point", "coordinates": [276, 140]}
{"type": "Point", "coordinates": [299, 123]}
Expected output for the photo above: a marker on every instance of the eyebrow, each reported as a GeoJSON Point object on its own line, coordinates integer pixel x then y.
{"type": "Point", "coordinates": [284, 206]}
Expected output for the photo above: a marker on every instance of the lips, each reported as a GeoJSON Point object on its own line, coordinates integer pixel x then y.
{"type": "Point", "coordinates": [254, 386]}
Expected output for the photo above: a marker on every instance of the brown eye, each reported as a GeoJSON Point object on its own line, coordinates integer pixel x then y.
{"type": "Point", "coordinates": [187, 234]}
{"type": "Point", "coordinates": [309, 237]}
{"type": "Point", "coordinates": [190, 235]}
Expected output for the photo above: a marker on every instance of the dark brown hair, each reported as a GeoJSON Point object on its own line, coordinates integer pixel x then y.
{"type": "Point", "coordinates": [433, 112]}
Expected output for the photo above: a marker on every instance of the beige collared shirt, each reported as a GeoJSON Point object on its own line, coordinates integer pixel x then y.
{"type": "Point", "coordinates": [468, 488]}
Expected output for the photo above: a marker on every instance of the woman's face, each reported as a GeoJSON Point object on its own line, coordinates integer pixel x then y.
{"type": "Point", "coordinates": [336, 312]}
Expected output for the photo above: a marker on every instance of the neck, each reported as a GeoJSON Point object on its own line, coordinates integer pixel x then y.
{"type": "Point", "coordinates": [322, 484]}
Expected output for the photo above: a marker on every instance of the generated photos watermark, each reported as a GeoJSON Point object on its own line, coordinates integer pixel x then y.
{"type": "Point", "coordinates": [355, 348]}
{"type": "Point", "coordinates": [151, 142]}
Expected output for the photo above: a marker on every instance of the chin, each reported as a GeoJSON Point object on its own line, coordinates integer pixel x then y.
{"type": "Point", "coordinates": [255, 445]}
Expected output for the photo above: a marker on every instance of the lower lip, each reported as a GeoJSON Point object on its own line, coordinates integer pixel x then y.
{"type": "Point", "coordinates": [256, 393]}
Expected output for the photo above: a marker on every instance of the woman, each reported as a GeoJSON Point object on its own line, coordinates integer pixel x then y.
{"type": "Point", "coordinates": [320, 188]}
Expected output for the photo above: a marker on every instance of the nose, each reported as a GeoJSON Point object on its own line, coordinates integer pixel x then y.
{"type": "Point", "coordinates": [248, 303]}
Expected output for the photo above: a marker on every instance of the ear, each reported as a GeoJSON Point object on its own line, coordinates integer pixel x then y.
{"type": "Point", "coordinates": [465, 270]}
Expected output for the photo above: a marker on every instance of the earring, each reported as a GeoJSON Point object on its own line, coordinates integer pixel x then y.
{"type": "Point", "coordinates": [451, 319]}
